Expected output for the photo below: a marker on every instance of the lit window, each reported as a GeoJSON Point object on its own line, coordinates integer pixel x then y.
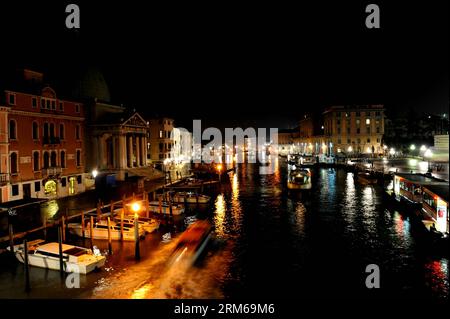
{"type": "Point", "coordinates": [367, 121]}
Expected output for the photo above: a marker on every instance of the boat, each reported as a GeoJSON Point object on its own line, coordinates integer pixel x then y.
{"type": "Point", "coordinates": [100, 230]}
{"type": "Point", "coordinates": [46, 255]}
{"type": "Point", "coordinates": [191, 243]}
{"type": "Point", "coordinates": [187, 197]}
{"type": "Point", "coordinates": [366, 178]}
{"type": "Point", "coordinates": [307, 161]}
{"type": "Point", "coordinates": [299, 179]}
{"type": "Point", "coordinates": [408, 188]}
{"type": "Point", "coordinates": [148, 224]}
{"type": "Point", "coordinates": [163, 207]}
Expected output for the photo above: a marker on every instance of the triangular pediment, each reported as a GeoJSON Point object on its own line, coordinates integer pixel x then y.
{"type": "Point", "coordinates": [135, 120]}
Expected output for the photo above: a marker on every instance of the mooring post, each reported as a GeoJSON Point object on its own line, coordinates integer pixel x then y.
{"type": "Point", "coordinates": [45, 227]}
{"type": "Point", "coordinates": [137, 254]}
{"type": "Point", "coordinates": [61, 262]}
{"type": "Point", "coordinates": [121, 224]}
{"type": "Point", "coordinates": [82, 225]}
{"type": "Point", "coordinates": [109, 236]}
{"type": "Point", "coordinates": [91, 231]}
{"type": "Point", "coordinates": [98, 211]}
{"type": "Point", "coordinates": [147, 208]}
{"type": "Point", "coordinates": [63, 228]}
{"type": "Point", "coordinates": [11, 238]}
{"type": "Point", "coordinates": [26, 265]}
{"type": "Point", "coordinates": [112, 207]}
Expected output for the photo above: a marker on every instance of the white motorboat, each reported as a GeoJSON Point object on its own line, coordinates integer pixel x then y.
{"type": "Point", "coordinates": [46, 255]}
{"type": "Point", "coordinates": [187, 197]}
{"type": "Point", "coordinates": [148, 224]}
{"type": "Point", "coordinates": [100, 230]}
{"type": "Point", "coordinates": [163, 207]}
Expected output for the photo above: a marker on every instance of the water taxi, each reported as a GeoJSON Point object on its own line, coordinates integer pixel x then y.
{"type": "Point", "coordinates": [192, 242]}
{"type": "Point", "coordinates": [46, 255]}
{"type": "Point", "coordinates": [100, 230]}
{"type": "Point", "coordinates": [299, 179]}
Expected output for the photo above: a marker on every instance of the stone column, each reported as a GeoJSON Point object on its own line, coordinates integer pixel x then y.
{"type": "Point", "coordinates": [114, 151]}
{"type": "Point", "coordinates": [144, 151]}
{"type": "Point", "coordinates": [122, 152]}
{"type": "Point", "coordinates": [130, 151]}
{"type": "Point", "coordinates": [101, 153]}
{"type": "Point", "coordinates": [138, 150]}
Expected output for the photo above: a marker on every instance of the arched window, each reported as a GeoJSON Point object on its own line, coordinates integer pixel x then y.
{"type": "Point", "coordinates": [46, 160]}
{"type": "Point", "coordinates": [61, 131]}
{"type": "Point", "coordinates": [52, 130]}
{"type": "Point", "coordinates": [63, 159]}
{"type": "Point", "coordinates": [36, 161]}
{"type": "Point", "coordinates": [35, 131]}
{"type": "Point", "coordinates": [13, 164]}
{"type": "Point", "coordinates": [45, 130]}
{"type": "Point", "coordinates": [53, 159]}
{"type": "Point", "coordinates": [12, 130]}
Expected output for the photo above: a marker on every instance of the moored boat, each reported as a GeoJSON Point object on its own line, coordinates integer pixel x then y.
{"type": "Point", "coordinates": [163, 207]}
{"type": "Point", "coordinates": [100, 230]}
{"type": "Point", "coordinates": [148, 224]}
{"type": "Point", "coordinates": [366, 178]}
{"type": "Point", "coordinates": [187, 197]}
{"type": "Point", "coordinates": [46, 255]}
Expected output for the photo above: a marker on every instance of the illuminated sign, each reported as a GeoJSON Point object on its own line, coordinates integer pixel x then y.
{"type": "Point", "coordinates": [441, 216]}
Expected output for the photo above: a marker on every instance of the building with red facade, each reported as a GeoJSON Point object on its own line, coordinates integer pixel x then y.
{"type": "Point", "coordinates": [41, 141]}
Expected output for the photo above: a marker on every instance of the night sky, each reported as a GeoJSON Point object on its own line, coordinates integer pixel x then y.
{"type": "Point", "coordinates": [231, 65]}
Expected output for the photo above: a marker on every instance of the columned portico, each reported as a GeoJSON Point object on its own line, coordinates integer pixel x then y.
{"type": "Point", "coordinates": [121, 146]}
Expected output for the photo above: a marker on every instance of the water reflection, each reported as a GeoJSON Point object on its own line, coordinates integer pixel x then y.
{"type": "Point", "coordinates": [219, 216]}
{"type": "Point", "coordinates": [348, 211]}
{"type": "Point", "coordinates": [49, 209]}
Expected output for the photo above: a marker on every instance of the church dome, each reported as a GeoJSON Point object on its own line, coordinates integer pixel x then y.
{"type": "Point", "coordinates": [92, 85]}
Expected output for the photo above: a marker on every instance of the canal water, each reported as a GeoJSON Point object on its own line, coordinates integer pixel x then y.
{"type": "Point", "coordinates": [269, 242]}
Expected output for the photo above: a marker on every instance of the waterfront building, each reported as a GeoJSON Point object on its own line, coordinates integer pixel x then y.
{"type": "Point", "coordinates": [350, 130]}
{"type": "Point", "coordinates": [160, 132]}
{"type": "Point", "coordinates": [287, 141]}
{"type": "Point", "coordinates": [116, 136]}
{"type": "Point", "coordinates": [42, 148]}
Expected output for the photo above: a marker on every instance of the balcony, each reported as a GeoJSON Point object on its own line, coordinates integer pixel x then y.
{"type": "Point", "coordinates": [52, 140]}
{"type": "Point", "coordinates": [4, 178]}
{"type": "Point", "coordinates": [51, 171]}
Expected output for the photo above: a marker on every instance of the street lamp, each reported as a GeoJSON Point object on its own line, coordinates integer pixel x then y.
{"type": "Point", "coordinates": [94, 173]}
{"type": "Point", "coordinates": [412, 147]}
{"type": "Point", "coordinates": [135, 207]}
{"type": "Point", "coordinates": [423, 148]}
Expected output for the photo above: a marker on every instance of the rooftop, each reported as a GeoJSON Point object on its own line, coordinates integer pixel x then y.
{"type": "Point", "coordinates": [422, 179]}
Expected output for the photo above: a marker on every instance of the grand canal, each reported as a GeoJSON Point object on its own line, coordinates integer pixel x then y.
{"type": "Point", "coordinates": [269, 242]}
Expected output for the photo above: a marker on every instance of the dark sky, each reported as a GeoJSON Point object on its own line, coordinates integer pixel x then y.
{"type": "Point", "coordinates": [232, 65]}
